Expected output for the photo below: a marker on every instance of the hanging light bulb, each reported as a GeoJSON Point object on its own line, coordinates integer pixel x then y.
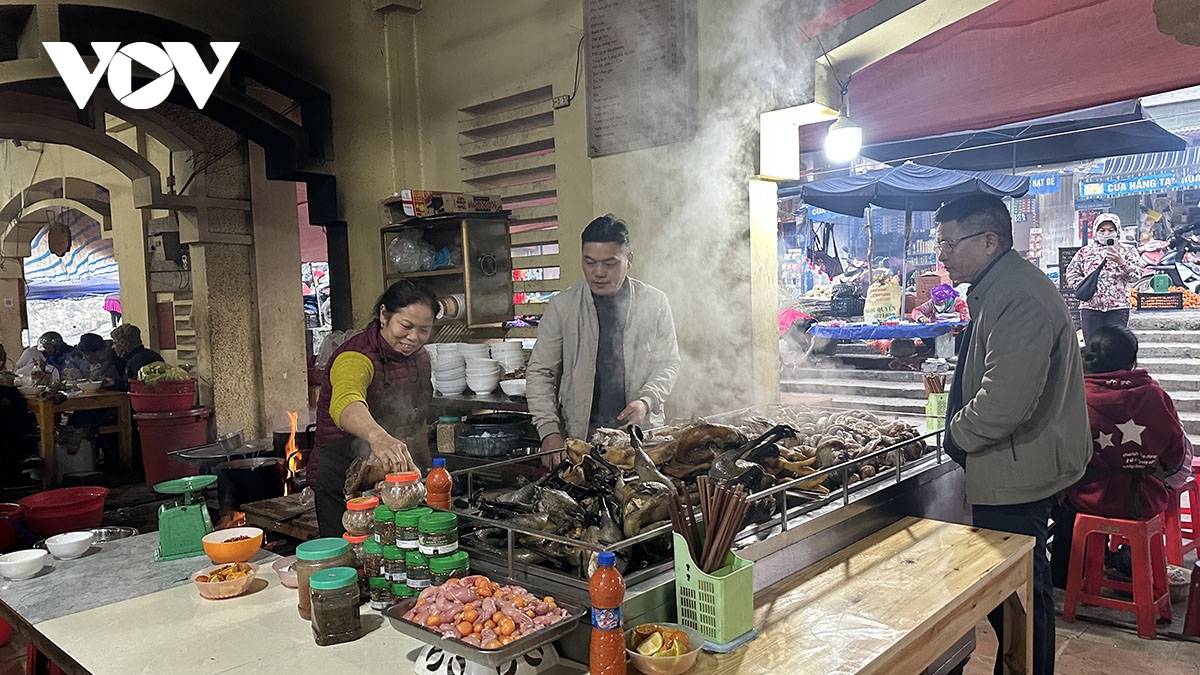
{"type": "Point", "coordinates": [844, 138]}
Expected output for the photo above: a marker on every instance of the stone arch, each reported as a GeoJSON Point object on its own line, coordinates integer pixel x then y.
{"type": "Point", "coordinates": [18, 226]}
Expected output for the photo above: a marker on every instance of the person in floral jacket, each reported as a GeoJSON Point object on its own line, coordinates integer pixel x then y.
{"type": "Point", "coordinates": [943, 299]}
{"type": "Point", "coordinates": [1110, 305]}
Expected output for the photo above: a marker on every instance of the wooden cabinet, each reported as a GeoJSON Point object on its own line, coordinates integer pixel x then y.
{"type": "Point", "coordinates": [481, 274]}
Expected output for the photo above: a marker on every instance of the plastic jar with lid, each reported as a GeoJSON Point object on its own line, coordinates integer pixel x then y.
{"type": "Point", "coordinates": [418, 570]}
{"type": "Point", "coordinates": [359, 517]}
{"type": "Point", "coordinates": [385, 525]}
{"type": "Point", "coordinates": [408, 527]}
{"type": "Point", "coordinates": [335, 601]}
{"type": "Point", "coordinates": [400, 591]}
{"type": "Point", "coordinates": [403, 491]}
{"type": "Point", "coordinates": [357, 541]}
{"type": "Point", "coordinates": [381, 593]}
{"type": "Point", "coordinates": [447, 433]}
{"type": "Point", "coordinates": [394, 566]}
{"type": "Point", "coordinates": [438, 534]}
{"type": "Point", "coordinates": [372, 558]}
{"type": "Point", "coordinates": [315, 556]}
{"type": "Point", "coordinates": [454, 566]}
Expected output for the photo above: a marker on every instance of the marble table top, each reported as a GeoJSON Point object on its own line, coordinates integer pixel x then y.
{"type": "Point", "coordinates": [108, 573]}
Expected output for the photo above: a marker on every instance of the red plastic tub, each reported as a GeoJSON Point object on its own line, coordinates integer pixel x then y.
{"type": "Point", "coordinates": [63, 510]}
{"type": "Point", "coordinates": [162, 397]}
{"type": "Point", "coordinates": [8, 534]}
{"type": "Point", "coordinates": [162, 432]}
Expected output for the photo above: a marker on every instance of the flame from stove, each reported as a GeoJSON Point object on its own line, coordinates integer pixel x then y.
{"type": "Point", "coordinates": [291, 452]}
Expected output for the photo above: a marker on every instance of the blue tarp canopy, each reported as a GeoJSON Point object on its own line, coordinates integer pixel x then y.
{"type": "Point", "coordinates": [871, 332]}
{"type": "Point", "coordinates": [1110, 130]}
{"type": "Point", "coordinates": [83, 289]}
{"type": "Point", "coordinates": [908, 187]}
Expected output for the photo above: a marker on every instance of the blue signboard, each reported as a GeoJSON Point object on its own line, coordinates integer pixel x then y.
{"type": "Point", "coordinates": [1128, 186]}
{"type": "Point", "coordinates": [1043, 183]}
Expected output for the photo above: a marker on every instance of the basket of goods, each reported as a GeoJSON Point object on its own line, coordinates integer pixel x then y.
{"type": "Point", "coordinates": [817, 303]}
{"type": "Point", "coordinates": [162, 388]}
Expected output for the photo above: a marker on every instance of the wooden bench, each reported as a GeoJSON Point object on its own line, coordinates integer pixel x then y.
{"type": "Point", "coordinates": [891, 603]}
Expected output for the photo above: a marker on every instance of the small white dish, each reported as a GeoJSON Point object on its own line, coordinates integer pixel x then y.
{"type": "Point", "coordinates": [513, 387]}
{"type": "Point", "coordinates": [70, 545]}
{"type": "Point", "coordinates": [21, 565]}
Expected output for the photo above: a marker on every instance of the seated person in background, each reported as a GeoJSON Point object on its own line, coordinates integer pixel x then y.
{"type": "Point", "coordinates": [61, 356]}
{"type": "Point", "coordinates": [127, 344]}
{"type": "Point", "coordinates": [7, 377]}
{"type": "Point", "coordinates": [106, 366]}
{"type": "Point", "coordinates": [943, 299]}
{"type": "Point", "coordinates": [1140, 450]}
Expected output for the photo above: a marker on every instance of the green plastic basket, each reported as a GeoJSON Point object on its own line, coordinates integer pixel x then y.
{"type": "Point", "coordinates": [719, 605]}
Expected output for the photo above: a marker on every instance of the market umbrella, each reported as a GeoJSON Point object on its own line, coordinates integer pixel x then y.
{"type": "Point", "coordinates": [1110, 130]}
{"type": "Point", "coordinates": [908, 187]}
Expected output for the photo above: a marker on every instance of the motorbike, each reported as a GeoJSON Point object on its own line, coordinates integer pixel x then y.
{"type": "Point", "coordinates": [1176, 261]}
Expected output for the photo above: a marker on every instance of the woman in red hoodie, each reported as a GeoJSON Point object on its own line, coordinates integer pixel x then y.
{"type": "Point", "coordinates": [1140, 450]}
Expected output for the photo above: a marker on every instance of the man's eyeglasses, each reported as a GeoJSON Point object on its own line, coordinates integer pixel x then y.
{"type": "Point", "coordinates": [948, 246]}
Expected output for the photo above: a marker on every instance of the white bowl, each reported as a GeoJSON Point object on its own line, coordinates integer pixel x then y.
{"type": "Point", "coordinates": [88, 387]}
{"type": "Point", "coordinates": [30, 390]}
{"type": "Point", "coordinates": [70, 545]}
{"type": "Point", "coordinates": [481, 388]}
{"type": "Point", "coordinates": [21, 565]}
{"type": "Point", "coordinates": [513, 387]}
{"type": "Point", "coordinates": [451, 391]}
{"type": "Point", "coordinates": [484, 372]}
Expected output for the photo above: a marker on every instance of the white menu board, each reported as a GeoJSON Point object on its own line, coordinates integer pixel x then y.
{"type": "Point", "coordinates": [642, 79]}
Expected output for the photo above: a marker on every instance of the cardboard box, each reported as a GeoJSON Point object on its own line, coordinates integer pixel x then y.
{"type": "Point", "coordinates": [417, 203]}
{"type": "Point", "coordinates": [925, 283]}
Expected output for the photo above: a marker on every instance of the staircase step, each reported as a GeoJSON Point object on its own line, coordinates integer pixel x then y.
{"type": "Point", "coordinates": [1173, 350]}
{"type": "Point", "coordinates": [873, 404]}
{"type": "Point", "coordinates": [1152, 336]}
{"type": "Point", "coordinates": [1191, 424]}
{"type": "Point", "coordinates": [1187, 402]}
{"type": "Point", "coordinates": [808, 374]}
{"type": "Point", "coordinates": [1164, 366]}
{"type": "Point", "coordinates": [856, 387]}
{"type": "Point", "coordinates": [1175, 383]}
{"type": "Point", "coordinates": [1181, 320]}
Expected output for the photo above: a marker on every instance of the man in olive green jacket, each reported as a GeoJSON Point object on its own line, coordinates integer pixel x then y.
{"type": "Point", "coordinates": [606, 353]}
{"type": "Point", "coordinates": [1017, 418]}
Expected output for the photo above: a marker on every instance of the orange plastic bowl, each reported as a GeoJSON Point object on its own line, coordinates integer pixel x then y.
{"type": "Point", "coordinates": [220, 550]}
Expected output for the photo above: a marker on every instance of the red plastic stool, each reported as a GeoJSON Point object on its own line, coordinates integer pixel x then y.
{"type": "Point", "coordinates": [1176, 528]}
{"type": "Point", "coordinates": [36, 663]}
{"type": "Point", "coordinates": [1191, 621]}
{"type": "Point", "coordinates": [1086, 575]}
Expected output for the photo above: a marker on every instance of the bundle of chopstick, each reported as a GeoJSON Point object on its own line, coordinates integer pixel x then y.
{"type": "Point", "coordinates": [934, 384]}
{"type": "Point", "coordinates": [722, 509]}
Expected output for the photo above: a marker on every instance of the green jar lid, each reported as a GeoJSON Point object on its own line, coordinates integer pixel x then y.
{"type": "Point", "coordinates": [401, 589]}
{"type": "Point", "coordinates": [392, 552]}
{"type": "Point", "coordinates": [334, 578]}
{"type": "Point", "coordinates": [415, 558]}
{"type": "Point", "coordinates": [441, 521]}
{"type": "Point", "coordinates": [450, 418]}
{"type": "Point", "coordinates": [379, 582]}
{"type": "Point", "coordinates": [382, 512]}
{"type": "Point", "coordinates": [412, 517]}
{"type": "Point", "coordinates": [449, 563]}
{"type": "Point", "coordinates": [372, 547]}
{"type": "Point", "coordinates": [322, 549]}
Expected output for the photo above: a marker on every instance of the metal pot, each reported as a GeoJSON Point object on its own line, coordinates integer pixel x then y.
{"type": "Point", "coordinates": [305, 438]}
{"type": "Point", "coordinates": [241, 481]}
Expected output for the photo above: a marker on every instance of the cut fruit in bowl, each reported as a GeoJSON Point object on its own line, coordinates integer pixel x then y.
{"type": "Point", "coordinates": [224, 581]}
{"type": "Point", "coordinates": [663, 648]}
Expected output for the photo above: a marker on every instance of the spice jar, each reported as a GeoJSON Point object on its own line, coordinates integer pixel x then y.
{"type": "Point", "coordinates": [385, 525]}
{"type": "Point", "coordinates": [394, 566]}
{"type": "Point", "coordinates": [408, 531]}
{"type": "Point", "coordinates": [454, 566]}
{"type": "Point", "coordinates": [359, 517]}
{"type": "Point", "coordinates": [335, 601]}
{"type": "Point", "coordinates": [400, 591]}
{"type": "Point", "coordinates": [403, 491]}
{"type": "Point", "coordinates": [447, 433]}
{"type": "Point", "coordinates": [381, 593]}
{"type": "Point", "coordinates": [372, 558]}
{"type": "Point", "coordinates": [438, 534]}
{"type": "Point", "coordinates": [316, 556]}
{"type": "Point", "coordinates": [417, 569]}
{"type": "Point", "coordinates": [357, 554]}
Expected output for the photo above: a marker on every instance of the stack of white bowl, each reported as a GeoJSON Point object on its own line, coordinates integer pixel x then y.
{"type": "Point", "coordinates": [483, 375]}
{"type": "Point", "coordinates": [449, 370]}
{"type": "Point", "coordinates": [473, 350]}
{"type": "Point", "coordinates": [511, 355]}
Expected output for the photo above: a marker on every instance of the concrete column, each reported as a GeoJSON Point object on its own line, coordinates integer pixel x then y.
{"type": "Point", "coordinates": [129, 248]}
{"type": "Point", "coordinates": [11, 271]}
{"type": "Point", "coordinates": [277, 290]}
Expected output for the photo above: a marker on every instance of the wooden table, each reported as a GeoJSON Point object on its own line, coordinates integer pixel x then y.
{"type": "Point", "coordinates": [45, 411]}
{"type": "Point", "coordinates": [285, 515]}
{"type": "Point", "coordinates": [891, 603]}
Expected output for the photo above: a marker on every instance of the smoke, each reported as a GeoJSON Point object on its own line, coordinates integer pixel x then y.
{"type": "Point", "coordinates": [687, 202]}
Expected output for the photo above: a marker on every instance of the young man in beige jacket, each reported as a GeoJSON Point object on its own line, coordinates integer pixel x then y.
{"type": "Point", "coordinates": [606, 354]}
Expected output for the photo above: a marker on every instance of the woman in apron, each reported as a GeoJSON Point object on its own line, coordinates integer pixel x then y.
{"type": "Point", "coordinates": [375, 399]}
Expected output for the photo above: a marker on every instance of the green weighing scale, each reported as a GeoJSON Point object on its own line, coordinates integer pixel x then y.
{"type": "Point", "coordinates": [182, 524]}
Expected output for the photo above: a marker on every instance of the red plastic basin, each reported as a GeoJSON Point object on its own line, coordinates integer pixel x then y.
{"type": "Point", "coordinates": [8, 535]}
{"type": "Point", "coordinates": [63, 510]}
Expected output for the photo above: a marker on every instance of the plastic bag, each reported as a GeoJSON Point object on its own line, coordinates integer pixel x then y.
{"type": "Point", "coordinates": [410, 253]}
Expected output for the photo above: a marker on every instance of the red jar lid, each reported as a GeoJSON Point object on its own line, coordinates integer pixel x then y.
{"type": "Point", "coordinates": [362, 503]}
{"type": "Point", "coordinates": [356, 538]}
{"type": "Point", "coordinates": [404, 477]}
